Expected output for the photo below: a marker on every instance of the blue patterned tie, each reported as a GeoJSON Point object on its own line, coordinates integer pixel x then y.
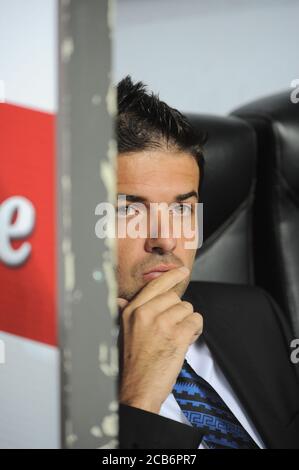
{"type": "Point", "coordinates": [205, 409]}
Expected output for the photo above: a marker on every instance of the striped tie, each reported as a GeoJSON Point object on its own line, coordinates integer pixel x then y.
{"type": "Point", "coordinates": [205, 409]}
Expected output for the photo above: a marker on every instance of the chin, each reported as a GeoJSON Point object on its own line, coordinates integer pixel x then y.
{"type": "Point", "coordinates": [128, 294]}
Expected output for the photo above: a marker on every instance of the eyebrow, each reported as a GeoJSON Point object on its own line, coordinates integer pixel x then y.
{"type": "Point", "coordinates": [178, 198]}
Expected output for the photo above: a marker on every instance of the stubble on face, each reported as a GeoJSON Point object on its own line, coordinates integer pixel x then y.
{"type": "Point", "coordinates": [132, 282]}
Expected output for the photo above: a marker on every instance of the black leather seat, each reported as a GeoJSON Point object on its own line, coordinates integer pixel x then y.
{"type": "Point", "coordinates": [275, 120]}
{"type": "Point", "coordinates": [227, 194]}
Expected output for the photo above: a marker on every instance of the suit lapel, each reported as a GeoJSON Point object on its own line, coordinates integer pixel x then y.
{"type": "Point", "coordinates": [240, 350]}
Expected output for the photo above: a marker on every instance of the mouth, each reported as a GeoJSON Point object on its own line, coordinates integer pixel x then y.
{"type": "Point", "coordinates": [157, 271]}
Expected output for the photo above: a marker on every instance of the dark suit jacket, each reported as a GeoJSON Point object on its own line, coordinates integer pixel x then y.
{"type": "Point", "coordinates": [250, 340]}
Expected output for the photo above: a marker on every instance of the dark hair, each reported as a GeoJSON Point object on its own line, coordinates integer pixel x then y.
{"type": "Point", "coordinates": [145, 122]}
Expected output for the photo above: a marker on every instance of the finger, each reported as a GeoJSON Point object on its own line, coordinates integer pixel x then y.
{"type": "Point", "coordinates": [122, 303]}
{"type": "Point", "coordinates": [159, 285]}
{"type": "Point", "coordinates": [177, 313]}
{"type": "Point", "coordinates": [162, 302]}
{"type": "Point", "coordinates": [191, 325]}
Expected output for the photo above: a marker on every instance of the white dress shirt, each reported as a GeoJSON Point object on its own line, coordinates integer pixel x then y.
{"type": "Point", "coordinates": [201, 360]}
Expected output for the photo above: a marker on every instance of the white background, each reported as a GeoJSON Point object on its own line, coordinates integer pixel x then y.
{"type": "Point", "coordinates": [208, 56]}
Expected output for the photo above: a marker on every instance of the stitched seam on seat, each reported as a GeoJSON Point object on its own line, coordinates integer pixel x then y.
{"type": "Point", "coordinates": [289, 191]}
{"type": "Point", "coordinates": [249, 231]}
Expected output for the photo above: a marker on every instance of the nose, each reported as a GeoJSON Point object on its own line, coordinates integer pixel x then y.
{"type": "Point", "coordinates": [160, 238]}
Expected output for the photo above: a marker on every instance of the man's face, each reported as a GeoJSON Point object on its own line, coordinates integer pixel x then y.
{"type": "Point", "coordinates": [154, 176]}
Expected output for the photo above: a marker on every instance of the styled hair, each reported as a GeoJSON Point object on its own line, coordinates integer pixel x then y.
{"type": "Point", "coordinates": [144, 122]}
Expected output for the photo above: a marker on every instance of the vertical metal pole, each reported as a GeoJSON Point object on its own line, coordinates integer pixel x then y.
{"type": "Point", "coordinates": [86, 164]}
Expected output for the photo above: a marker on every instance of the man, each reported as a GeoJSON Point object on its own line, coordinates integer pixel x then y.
{"type": "Point", "coordinates": [206, 369]}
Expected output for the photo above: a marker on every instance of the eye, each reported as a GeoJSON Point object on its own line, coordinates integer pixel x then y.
{"type": "Point", "coordinates": [127, 211]}
{"type": "Point", "coordinates": [182, 209]}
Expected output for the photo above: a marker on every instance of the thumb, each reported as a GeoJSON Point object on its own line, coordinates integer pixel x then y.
{"type": "Point", "coordinates": [122, 303]}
